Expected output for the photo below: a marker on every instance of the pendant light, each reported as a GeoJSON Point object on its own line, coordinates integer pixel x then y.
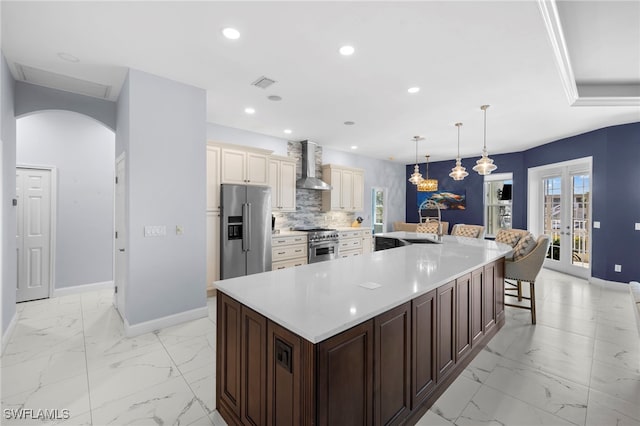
{"type": "Point", "coordinates": [484, 166]}
{"type": "Point", "coordinates": [458, 172]}
{"type": "Point", "coordinates": [428, 185]}
{"type": "Point", "coordinates": [416, 177]}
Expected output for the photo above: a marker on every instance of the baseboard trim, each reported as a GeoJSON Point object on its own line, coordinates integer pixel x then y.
{"type": "Point", "coordinates": [168, 321]}
{"type": "Point", "coordinates": [82, 288]}
{"type": "Point", "coordinates": [7, 335]}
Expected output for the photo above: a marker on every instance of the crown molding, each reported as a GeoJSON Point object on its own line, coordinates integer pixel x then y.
{"type": "Point", "coordinates": [551, 18]}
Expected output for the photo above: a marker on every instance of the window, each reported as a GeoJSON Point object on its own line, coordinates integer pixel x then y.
{"type": "Point", "coordinates": [378, 214]}
{"type": "Point", "coordinates": [497, 202]}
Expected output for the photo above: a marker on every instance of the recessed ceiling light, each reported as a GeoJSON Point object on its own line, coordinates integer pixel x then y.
{"type": "Point", "coordinates": [349, 123]}
{"type": "Point", "coordinates": [354, 147]}
{"type": "Point", "coordinates": [249, 110]}
{"type": "Point", "coordinates": [347, 50]}
{"type": "Point", "coordinates": [68, 57]}
{"type": "Point", "coordinates": [413, 90]}
{"type": "Point", "coordinates": [231, 33]}
{"type": "Point", "coordinates": [287, 131]}
{"type": "Point", "coordinates": [274, 98]}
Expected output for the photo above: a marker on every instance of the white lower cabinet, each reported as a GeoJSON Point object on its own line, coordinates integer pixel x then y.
{"type": "Point", "coordinates": [288, 251]}
{"type": "Point", "coordinates": [354, 242]}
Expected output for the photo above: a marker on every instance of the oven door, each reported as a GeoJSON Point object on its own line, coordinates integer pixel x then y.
{"type": "Point", "coordinates": [323, 250]}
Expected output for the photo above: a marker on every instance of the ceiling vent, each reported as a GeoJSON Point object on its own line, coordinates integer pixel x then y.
{"type": "Point", "coordinates": [61, 82]}
{"type": "Point", "coordinates": [263, 82]}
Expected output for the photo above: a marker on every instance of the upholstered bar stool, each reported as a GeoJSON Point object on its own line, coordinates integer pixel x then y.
{"type": "Point", "coordinates": [527, 261]}
{"type": "Point", "coordinates": [470, 231]}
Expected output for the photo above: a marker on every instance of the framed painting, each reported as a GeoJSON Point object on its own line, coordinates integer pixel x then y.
{"type": "Point", "coordinates": [446, 200]}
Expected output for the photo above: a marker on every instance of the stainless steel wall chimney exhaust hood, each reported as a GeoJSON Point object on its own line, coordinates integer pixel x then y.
{"type": "Point", "coordinates": [309, 179]}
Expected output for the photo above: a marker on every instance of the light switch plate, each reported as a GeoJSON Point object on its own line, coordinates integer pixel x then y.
{"type": "Point", "coordinates": [179, 230]}
{"type": "Point", "coordinates": [596, 224]}
{"type": "Point", "coordinates": [637, 226]}
{"type": "Point", "coordinates": [617, 268]}
{"type": "Point", "coordinates": [155, 231]}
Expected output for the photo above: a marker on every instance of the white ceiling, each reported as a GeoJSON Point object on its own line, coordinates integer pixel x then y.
{"type": "Point", "coordinates": [461, 55]}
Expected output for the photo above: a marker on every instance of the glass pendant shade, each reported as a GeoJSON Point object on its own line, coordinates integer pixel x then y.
{"type": "Point", "coordinates": [458, 172]}
{"type": "Point", "coordinates": [484, 166]}
{"type": "Point", "coordinates": [416, 177]}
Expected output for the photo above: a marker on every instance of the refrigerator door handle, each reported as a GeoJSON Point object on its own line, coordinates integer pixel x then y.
{"type": "Point", "coordinates": [247, 226]}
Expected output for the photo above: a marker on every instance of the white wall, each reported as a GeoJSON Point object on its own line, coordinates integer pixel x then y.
{"type": "Point", "coordinates": [8, 137]}
{"type": "Point", "coordinates": [219, 133]}
{"type": "Point", "coordinates": [164, 136]}
{"type": "Point", "coordinates": [83, 152]}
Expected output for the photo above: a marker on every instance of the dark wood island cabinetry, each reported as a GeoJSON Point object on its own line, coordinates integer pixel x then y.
{"type": "Point", "coordinates": [388, 369]}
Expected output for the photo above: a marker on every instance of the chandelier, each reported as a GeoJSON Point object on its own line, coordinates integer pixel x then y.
{"type": "Point", "coordinates": [458, 172]}
{"type": "Point", "coordinates": [484, 166]}
{"type": "Point", "coordinates": [416, 177]}
{"type": "Point", "coordinates": [428, 185]}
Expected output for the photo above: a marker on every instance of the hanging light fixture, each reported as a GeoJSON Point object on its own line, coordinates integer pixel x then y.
{"type": "Point", "coordinates": [428, 185]}
{"type": "Point", "coordinates": [484, 166]}
{"type": "Point", "coordinates": [416, 177]}
{"type": "Point", "coordinates": [458, 172]}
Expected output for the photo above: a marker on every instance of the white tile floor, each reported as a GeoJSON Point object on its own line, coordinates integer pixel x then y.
{"type": "Point", "coordinates": [579, 365]}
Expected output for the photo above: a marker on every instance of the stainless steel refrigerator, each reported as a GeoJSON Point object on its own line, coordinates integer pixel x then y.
{"type": "Point", "coordinates": [245, 234]}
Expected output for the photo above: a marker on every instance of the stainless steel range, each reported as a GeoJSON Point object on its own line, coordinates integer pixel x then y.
{"type": "Point", "coordinates": [323, 244]}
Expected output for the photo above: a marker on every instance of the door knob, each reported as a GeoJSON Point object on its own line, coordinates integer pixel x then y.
{"type": "Point", "coordinates": [121, 249]}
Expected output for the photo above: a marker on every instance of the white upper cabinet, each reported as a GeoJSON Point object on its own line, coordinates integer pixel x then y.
{"type": "Point", "coordinates": [282, 179]}
{"type": "Point", "coordinates": [244, 166]}
{"type": "Point", "coordinates": [348, 188]}
{"type": "Point", "coordinates": [213, 178]}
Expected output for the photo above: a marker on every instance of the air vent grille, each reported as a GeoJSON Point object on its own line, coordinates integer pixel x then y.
{"type": "Point", "coordinates": [263, 82]}
{"type": "Point", "coordinates": [62, 82]}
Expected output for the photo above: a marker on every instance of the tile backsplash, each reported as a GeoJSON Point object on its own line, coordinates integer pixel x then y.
{"type": "Point", "coordinates": [309, 202]}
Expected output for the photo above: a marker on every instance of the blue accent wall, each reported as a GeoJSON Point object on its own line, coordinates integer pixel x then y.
{"type": "Point", "coordinates": [615, 185]}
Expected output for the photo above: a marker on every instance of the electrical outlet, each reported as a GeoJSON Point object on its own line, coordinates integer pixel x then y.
{"type": "Point", "coordinates": [617, 268]}
{"type": "Point", "coordinates": [179, 230]}
{"type": "Point", "coordinates": [596, 224]}
{"type": "Point", "coordinates": [637, 226]}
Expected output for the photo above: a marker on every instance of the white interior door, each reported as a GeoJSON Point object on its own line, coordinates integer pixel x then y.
{"type": "Point", "coordinates": [33, 233]}
{"type": "Point", "coordinates": [120, 243]}
{"type": "Point", "coordinates": [566, 218]}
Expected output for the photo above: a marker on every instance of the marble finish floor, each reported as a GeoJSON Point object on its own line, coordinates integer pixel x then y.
{"type": "Point", "coordinates": [580, 365]}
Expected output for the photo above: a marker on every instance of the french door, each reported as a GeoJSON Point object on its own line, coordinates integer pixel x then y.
{"type": "Point", "coordinates": [565, 201]}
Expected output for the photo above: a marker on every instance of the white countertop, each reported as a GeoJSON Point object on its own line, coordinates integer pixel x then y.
{"type": "Point", "coordinates": [287, 233]}
{"type": "Point", "coordinates": [322, 299]}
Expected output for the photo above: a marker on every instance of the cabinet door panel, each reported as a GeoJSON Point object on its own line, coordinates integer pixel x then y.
{"type": "Point", "coordinates": [446, 343]}
{"type": "Point", "coordinates": [336, 192]}
{"type": "Point", "coordinates": [274, 183]}
{"type": "Point", "coordinates": [213, 178]}
{"type": "Point", "coordinates": [346, 199]}
{"type": "Point", "coordinates": [423, 337]}
{"type": "Point", "coordinates": [287, 186]}
{"type": "Point", "coordinates": [345, 377]}
{"type": "Point", "coordinates": [498, 278]}
{"type": "Point", "coordinates": [476, 305]}
{"type": "Point", "coordinates": [392, 354]}
{"type": "Point", "coordinates": [233, 166]}
{"type": "Point", "coordinates": [253, 375]}
{"type": "Point", "coordinates": [463, 316]}
{"type": "Point", "coordinates": [257, 169]}
{"type": "Point", "coordinates": [228, 354]}
{"type": "Point", "coordinates": [489, 306]}
{"type": "Point", "coordinates": [358, 191]}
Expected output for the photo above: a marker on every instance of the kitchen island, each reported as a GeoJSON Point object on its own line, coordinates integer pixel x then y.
{"type": "Point", "coordinates": [373, 339]}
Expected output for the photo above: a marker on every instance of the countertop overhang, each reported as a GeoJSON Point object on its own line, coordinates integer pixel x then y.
{"type": "Point", "coordinates": [320, 300]}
